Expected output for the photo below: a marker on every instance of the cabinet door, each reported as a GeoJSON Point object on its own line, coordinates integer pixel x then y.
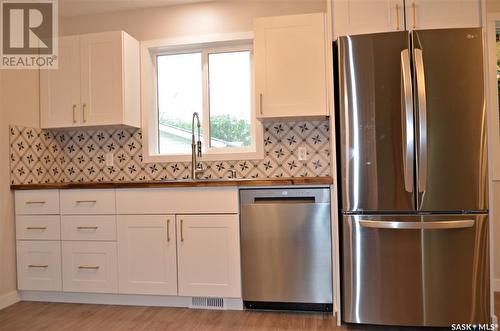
{"type": "Point", "coordinates": [39, 265]}
{"type": "Point", "coordinates": [290, 66]}
{"type": "Point", "coordinates": [60, 88]}
{"type": "Point", "coordinates": [101, 78]}
{"type": "Point", "coordinates": [367, 16]}
{"type": "Point", "coordinates": [208, 249]}
{"type": "Point", "coordinates": [442, 14]}
{"type": "Point", "coordinates": [147, 254]}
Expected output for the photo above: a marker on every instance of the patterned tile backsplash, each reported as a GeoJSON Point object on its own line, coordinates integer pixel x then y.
{"type": "Point", "coordinates": [40, 156]}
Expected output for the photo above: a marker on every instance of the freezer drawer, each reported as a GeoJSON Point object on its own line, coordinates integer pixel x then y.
{"type": "Point", "coordinates": [415, 270]}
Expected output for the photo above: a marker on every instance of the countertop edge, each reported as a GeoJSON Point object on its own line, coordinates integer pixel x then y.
{"type": "Point", "coordinates": [180, 183]}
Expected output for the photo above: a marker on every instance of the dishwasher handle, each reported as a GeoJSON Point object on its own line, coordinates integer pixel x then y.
{"type": "Point", "coordinates": [284, 200]}
{"type": "Point", "coordinates": [284, 196]}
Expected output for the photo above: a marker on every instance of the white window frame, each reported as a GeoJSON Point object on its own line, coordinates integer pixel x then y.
{"type": "Point", "coordinates": [206, 45]}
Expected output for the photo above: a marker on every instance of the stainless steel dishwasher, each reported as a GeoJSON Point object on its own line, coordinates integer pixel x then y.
{"type": "Point", "coordinates": [286, 249]}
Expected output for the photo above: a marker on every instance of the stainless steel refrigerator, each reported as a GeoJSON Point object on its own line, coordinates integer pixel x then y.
{"type": "Point", "coordinates": [413, 172]}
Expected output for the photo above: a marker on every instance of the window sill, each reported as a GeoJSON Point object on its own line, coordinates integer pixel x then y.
{"type": "Point", "coordinates": [160, 158]}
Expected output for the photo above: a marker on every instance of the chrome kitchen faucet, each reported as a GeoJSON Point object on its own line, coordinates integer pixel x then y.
{"type": "Point", "coordinates": [196, 167]}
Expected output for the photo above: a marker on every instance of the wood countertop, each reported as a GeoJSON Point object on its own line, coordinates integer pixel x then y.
{"type": "Point", "coordinates": [180, 183]}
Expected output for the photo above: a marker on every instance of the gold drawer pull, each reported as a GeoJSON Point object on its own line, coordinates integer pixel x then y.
{"type": "Point", "coordinates": [84, 106]}
{"type": "Point", "coordinates": [88, 267]}
{"type": "Point", "coordinates": [86, 201]}
{"type": "Point", "coordinates": [74, 115]}
{"type": "Point", "coordinates": [182, 232]}
{"type": "Point", "coordinates": [44, 266]}
{"type": "Point", "coordinates": [35, 202]}
{"type": "Point", "coordinates": [36, 228]}
{"type": "Point", "coordinates": [168, 229]}
{"type": "Point", "coordinates": [87, 227]}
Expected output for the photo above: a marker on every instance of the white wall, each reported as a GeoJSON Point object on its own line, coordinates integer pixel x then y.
{"type": "Point", "coordinates": [187, 20]}
{"type": "Point", "coordinates": [493, 5]}
{"type": "Point", "coordinates": [19, 106]}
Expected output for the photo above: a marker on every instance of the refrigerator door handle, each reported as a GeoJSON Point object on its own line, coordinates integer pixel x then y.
{"type": "Point", "coordinates": [416, 225]}
{"type": "Point", "coordinates": [422, 113]}
{"type": "Point", "coordinates": [407, 120]}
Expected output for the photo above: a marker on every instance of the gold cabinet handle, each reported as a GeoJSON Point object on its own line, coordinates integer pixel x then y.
{"type": "Point", "coordinates": [168, 230]}
{"type": "Point", "coordinates": [414, 9]}
{"type": "Point", "coordinates": [88, 267]}
{"type": "Point", "coordinates": [35, 202]}
{"type": "Point", "coordinates": [261, 103]}
{"type": "Point", "coordinates": [182, 233]}
{"type": "Point", "coordinates": [41, 266]}
{"type": "Point", "coordinates": [74, 113]}
{"type": "Point", "coordinates": [84, 108]}
{"type": "Point", "coordinates": [36, 228]}
{"type": "Point", "coordinates": [398, 22]}
{"type": "Point", "coordinates": [87, 227]}
{"type": "Point", "coordinates": [86, 201]}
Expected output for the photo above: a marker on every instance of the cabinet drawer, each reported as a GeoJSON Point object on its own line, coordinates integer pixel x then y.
{"type": "Point", "coordinates": [38, 227]}
{"type": "Point", "coordinates": [37, 202]}
{"type": "Point", "coordinates": [88, 228]}
{"type": "Point", "coordinates": [78, 202]}
{"type": "Point", "coordinates": [89, 267]}
{"type": "Point", "coordinates": [39, 265]}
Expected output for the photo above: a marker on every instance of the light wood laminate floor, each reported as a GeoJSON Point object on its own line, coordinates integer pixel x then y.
{"type": "Point", "coordinates": [34, 316]}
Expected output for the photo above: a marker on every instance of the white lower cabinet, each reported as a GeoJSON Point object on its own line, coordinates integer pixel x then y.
{"type": "Point", "coordinates": [39, 265]}
{"type": "Point", "coordinates": [89, 267]}
{"type": "Point", "coordinates": [84, 245]}
{"type": "Point", "coordinates": [208, 248]}
{"type": "Point", "coordinates": [147, 254]}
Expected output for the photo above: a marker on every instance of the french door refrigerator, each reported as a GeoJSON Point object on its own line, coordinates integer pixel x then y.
{"type": "Point", "coordinates": [413, 171]}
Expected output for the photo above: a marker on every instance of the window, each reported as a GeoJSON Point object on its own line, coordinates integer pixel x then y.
{"type": "Point", "coordinates": [217, 83]}
{"type": "Point", "coordinates": [179, 95]}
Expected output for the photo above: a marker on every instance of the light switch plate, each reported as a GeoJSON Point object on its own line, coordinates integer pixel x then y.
{"type": "Point", "coordinates": [110, 159]}
{"type": "Point", "coordinates": [302, 153]}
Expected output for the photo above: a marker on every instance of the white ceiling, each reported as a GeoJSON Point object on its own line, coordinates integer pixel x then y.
{"type": "Point", "coordinates": [68, 8]}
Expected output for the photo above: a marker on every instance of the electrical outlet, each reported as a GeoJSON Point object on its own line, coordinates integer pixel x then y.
{"type": "Point", "coordinates": [302, 153]}
{"type": "Point", "coordinates": [110, 159]}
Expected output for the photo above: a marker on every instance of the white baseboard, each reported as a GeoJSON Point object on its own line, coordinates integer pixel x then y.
{"type": "Point", "coordinates": [495, 284]}
{"type": "Point", "coordinates": [121, 299]}
{"type": "Point", "coordinates": [9, 299]}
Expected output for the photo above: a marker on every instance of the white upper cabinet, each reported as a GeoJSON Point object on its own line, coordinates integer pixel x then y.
{"type": "Point", "coordinates": [97, 83]}
{"type": "Point", "coordinates": [367, 16]}
{"type": "Point", "coordinates": [442, 14]}
{"type": "Point", "coordinates": [352, 17]}
{"type": "Point", "coordinates": [291, 66]}
{"type": "Point", "coordinates": [60, 88]}
{"type": "Point", "coordinates": [101, 96]}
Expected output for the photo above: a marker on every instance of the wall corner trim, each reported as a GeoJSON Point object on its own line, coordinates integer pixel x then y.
{"type": "Point", "coordinates": [495, 285]}
{"type": "Point", "coordinates": [9, 299]}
